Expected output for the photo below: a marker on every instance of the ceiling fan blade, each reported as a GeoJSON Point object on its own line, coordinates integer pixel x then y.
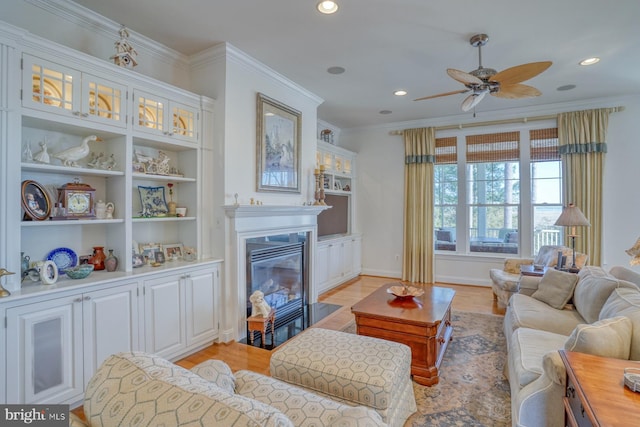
{"type": "Point", "coordinates": [516, 91]}
{"type": "Point", "coordinates": [463, 77]}
{"type": "Point", "coordinates": [520, 73]}
{"type": "Point", "coordinates": [455, 92]}
{"type": "Point", "coordinates": [473, 100]}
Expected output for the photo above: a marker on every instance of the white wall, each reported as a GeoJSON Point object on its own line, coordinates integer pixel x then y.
{"type": "Point", "coordinates": [381, 182]}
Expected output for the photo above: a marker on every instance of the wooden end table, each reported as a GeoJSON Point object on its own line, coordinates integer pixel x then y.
{"type": "Point", "coordinates": [528, 270]}
{"type": "Point", "coordinates": [423, 323]}
{"type": "Point", "coordinates": [259, 323]}
{"type": "Point", "coordinates": [595, 394]}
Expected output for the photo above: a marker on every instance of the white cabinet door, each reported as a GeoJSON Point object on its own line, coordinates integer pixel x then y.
{"type": "Point", "coordinates": [335, 261]}
{"type": "Point", "coordinates": [110, 324]}
{"type": "Point", "coordinates": [44, 361]}
{"type": "Point", "coordinates": [347, 258]}
{"type": "Point", "coordinates": [201, 296]}
{"type": "Point", "coordinates": [164, 316]}
{"type": "Point", "coordinates": [322, 267]}
{"type": "Point", "coordinates": [356, 248]}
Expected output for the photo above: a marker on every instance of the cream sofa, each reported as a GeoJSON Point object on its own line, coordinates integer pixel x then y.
{"type": "Point", "coordinates": [603, 319]}
{"type": "Point", "coordinates": [506, 281]}
{"type": "Point", "coordinates": [145, 390]}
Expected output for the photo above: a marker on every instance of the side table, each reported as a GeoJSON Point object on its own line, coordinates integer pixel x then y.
{"type": "Point", "coordinates": [259, 323]}
{"type": "Point", "coordinates": [595, 394]}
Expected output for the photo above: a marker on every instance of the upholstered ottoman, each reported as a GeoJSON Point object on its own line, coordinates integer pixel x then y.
{"type": "Point", "coordinates": [351, 368]}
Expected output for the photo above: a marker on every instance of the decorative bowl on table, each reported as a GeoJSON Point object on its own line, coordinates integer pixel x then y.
{"type": "Point", "coordinates": [404, 291]}
{"type": "Point", "coordinates": [79, 272]}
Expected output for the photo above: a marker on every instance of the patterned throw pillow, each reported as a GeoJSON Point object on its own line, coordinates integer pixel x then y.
{"type": "Point", "coordinates": [556, 288]}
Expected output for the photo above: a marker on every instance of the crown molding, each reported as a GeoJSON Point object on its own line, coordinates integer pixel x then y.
{"type": "Point", "coordinates": [103, 26]}
{"type": "Point", "coordinates": [505, 114]}
{"type": "Point", "coordinates": [232, 54]}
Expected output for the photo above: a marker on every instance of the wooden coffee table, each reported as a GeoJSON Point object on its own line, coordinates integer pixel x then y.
{"type": "Point", "coordinates": [423, 323]}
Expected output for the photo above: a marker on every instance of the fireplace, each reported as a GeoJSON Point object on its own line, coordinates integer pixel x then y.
{"type": "Point", "coordinates": [263, 226]}
{"type": "Point", "coordinates": [277, 266]}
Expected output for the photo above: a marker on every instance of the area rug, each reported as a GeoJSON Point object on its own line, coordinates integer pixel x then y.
{"type": "Point", "coordinates": [472, 390]}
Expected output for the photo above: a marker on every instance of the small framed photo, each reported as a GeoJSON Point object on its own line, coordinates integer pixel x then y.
{"type": "Point", "coordinates": [159, 257]}
{"type": "Point", "coordinates": [35, 201]}
{"type": "Point", "coordinates": [137, 260]}
{"type": "Point", "coordinates": [173, 251]}
{"type": "Point", "coordinates": [49, 273]}
{"type": "Point", "coordinates": [138, 167]}
{"type": "Point", "coordinates": [148, 250]}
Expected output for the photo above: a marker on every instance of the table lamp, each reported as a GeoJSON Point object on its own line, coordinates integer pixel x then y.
{"type": "Point", "coordinates": [573, 217]}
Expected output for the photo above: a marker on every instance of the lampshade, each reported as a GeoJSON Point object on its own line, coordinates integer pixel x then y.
{"type": "Point", "coordinates": [572, 216]}
{"type": "Point", "coordinates": [634, 252]}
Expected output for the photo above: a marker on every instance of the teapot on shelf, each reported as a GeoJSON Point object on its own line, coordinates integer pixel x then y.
{"type": "Point", "coordinates": [104, 210]}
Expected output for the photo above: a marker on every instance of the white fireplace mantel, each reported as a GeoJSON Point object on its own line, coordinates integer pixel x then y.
{"type": "Point", "coordinates": [248, 221]}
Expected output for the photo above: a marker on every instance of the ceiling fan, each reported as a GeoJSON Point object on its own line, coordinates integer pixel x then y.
{"type": "Point", "coordinates": [503, 84]}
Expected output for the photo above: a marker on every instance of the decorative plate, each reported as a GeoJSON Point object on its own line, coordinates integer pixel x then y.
{"type": "Point", "coordinates": [402, 291]}
{"type": "Point", "coordinates": [63, 258]}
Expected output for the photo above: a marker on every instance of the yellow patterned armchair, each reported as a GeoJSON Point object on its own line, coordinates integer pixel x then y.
{"type": "Point", "coordinates": [506, 281]}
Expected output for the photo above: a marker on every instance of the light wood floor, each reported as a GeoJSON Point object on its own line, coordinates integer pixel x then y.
{"type": "Point", "coordinates": [240, 356]}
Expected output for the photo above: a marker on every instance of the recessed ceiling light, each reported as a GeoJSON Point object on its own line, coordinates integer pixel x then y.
{"type": "Point", "coordinates": [327, 7]}
{"type": "Point", "coordinates": [335, 70]}
{"type": "Point", "coordinates": [590, 61]}
{"type": "Point", "coordinates": [386, 111]}
{"type": "Point", "coordinates": [400, 92]}
{"type": "Point", "coordinates": [566, 87]}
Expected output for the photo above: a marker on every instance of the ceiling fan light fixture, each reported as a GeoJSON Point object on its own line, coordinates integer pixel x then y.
{"type": "Point", "coordinates": [590, 61]}
{"type": "Point", "coordinates": [400, 92]}
{"type": "Point", "coordinates": [472, 100]}
{"type": "Point", "coordinates": [327, 7]}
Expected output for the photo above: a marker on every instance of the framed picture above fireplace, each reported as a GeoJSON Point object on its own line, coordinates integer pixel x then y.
{"type": "Point", "coordinates": [278, 146]}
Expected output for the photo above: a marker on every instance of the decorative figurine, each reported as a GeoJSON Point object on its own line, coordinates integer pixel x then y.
{"type": "Point", "coordinates": [109, 164]}
{"type": "Point", "coordinates": [42, 156]}
{"type": "Point", "coordinates": [259, 306]}
{"type": "Point", "coordinates": [70, 156]}
{"type": "Point", "coordinates": [125, 53]}
{"type": "Point", "coordinates": [27, 155]}
{"type": "Point", "coordinates": [3, 291]}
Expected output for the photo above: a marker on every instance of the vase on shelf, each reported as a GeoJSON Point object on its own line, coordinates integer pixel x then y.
{"type": "Point", "coordinates": [111, 261]}
{"type": "Point", "coordinates": [98, 257]}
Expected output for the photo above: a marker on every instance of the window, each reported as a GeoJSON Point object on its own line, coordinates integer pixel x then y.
{"type": "Point", "coordinates": [493, 191]}
{"type": "Point", "coordinates": [546, 187]}
{"type": "Point", "coordinates": [445, 197]}
{"type": "Point", "coordinates": [502, 182]}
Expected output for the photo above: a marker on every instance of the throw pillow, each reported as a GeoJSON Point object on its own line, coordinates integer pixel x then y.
{"type": "Point", "coordinates": [592, 291]}
{"type": "Point", "coordinates": [604, 338]}
{"type": "Point", "coordinates": [217, 372]}
{"type": "Point", "coordinates": [556, 288]}
{"type": "Point", "coordinates": [625, 302]}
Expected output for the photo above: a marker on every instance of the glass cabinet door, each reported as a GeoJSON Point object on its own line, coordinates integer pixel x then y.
{"type": "Point", "coordinates": [103, 101]}
{"type": "Point", "coordinates": [50, 87]}
{"type": "Point", "coordinates": [46, 363]}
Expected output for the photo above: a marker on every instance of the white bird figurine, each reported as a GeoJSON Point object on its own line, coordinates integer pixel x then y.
{"type": "Point", "coordinates": [71, 155]}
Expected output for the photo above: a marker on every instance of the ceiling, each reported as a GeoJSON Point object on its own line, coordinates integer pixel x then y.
{"type": "Point", "coordinates": [406, 44]}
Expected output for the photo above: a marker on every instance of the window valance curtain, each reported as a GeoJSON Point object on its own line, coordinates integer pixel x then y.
{"type": "Point", "coordinates": [582, 146]}
{"type": "Point", "coordinates": [417, 252]}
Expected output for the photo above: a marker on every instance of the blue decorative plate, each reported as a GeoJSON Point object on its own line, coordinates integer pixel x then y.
{"type": "Point", "coordinates": [63, 258]}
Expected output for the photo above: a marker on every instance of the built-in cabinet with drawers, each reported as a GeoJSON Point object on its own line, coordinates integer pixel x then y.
{"type": "Point", "coordinates": [54, 99]}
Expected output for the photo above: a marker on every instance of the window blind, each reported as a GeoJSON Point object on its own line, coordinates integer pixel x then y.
{"type": "Point", "coordinates": [493, 147]}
